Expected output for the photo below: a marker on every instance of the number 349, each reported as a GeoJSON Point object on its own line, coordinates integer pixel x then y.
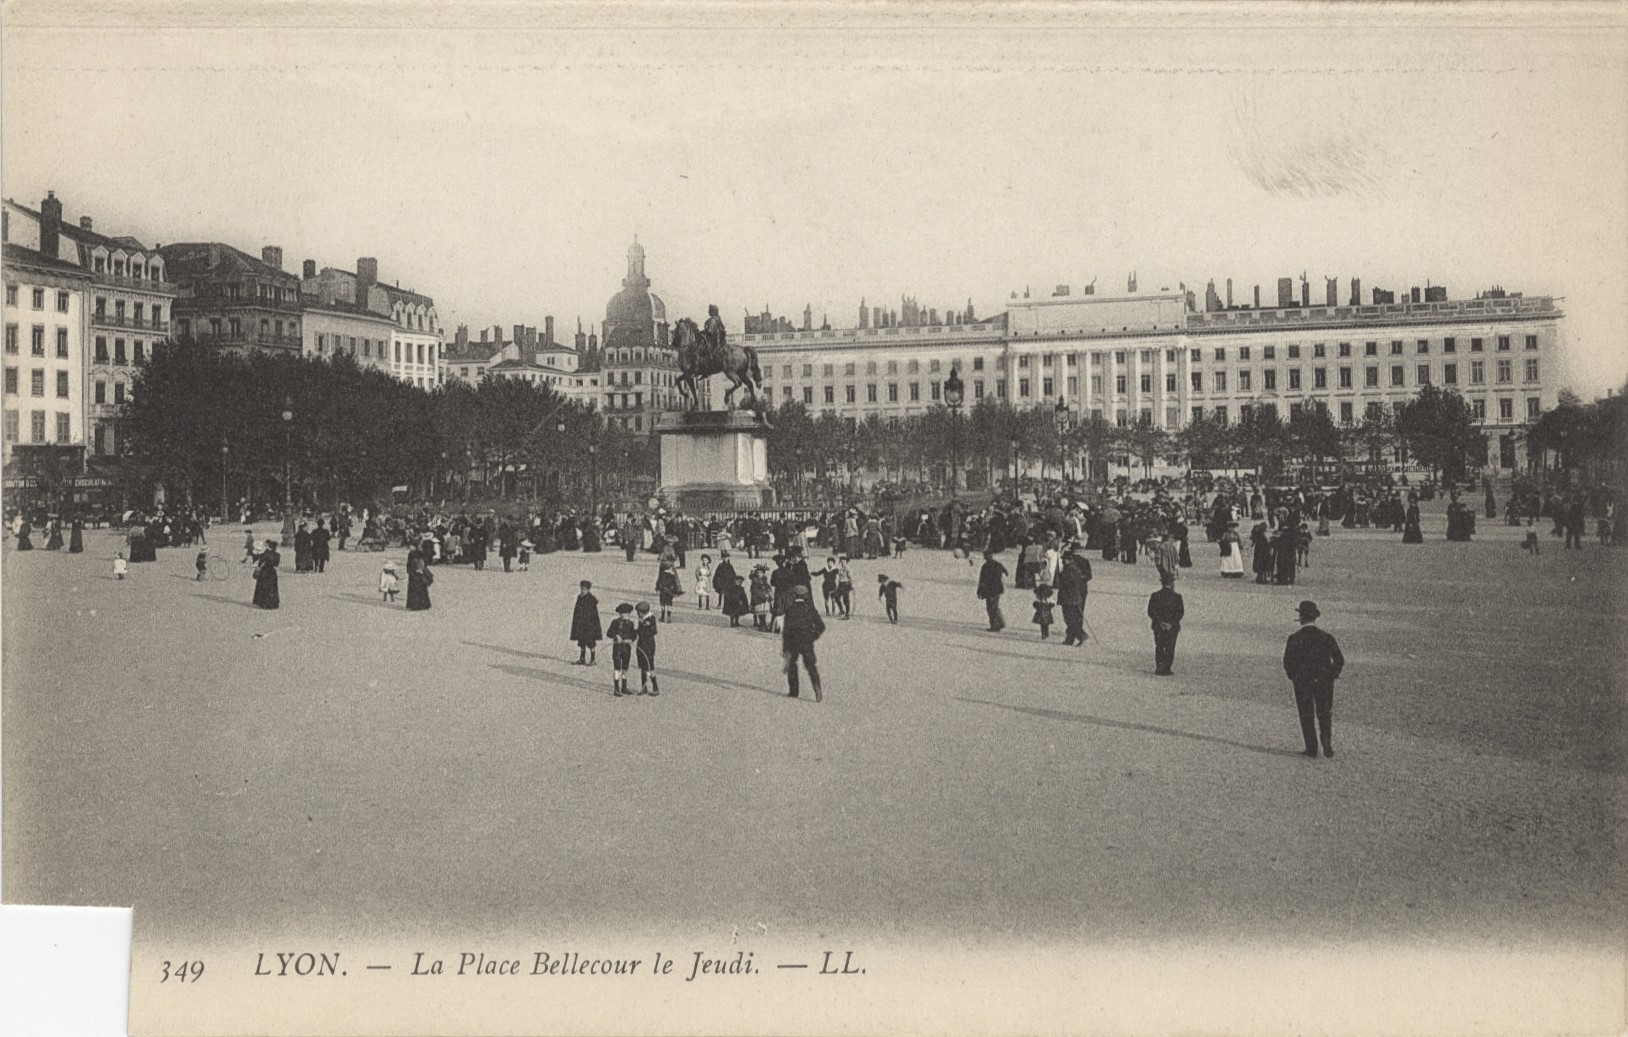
{"type": "Point", "coordinates": [182, 971]}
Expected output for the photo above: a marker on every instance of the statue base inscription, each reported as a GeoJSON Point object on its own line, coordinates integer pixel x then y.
{"type": "Point", "coordinates": [714, 460]}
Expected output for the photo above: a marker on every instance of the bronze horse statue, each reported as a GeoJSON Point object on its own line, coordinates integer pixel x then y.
{"type": "Point", "coordinates": [699, 356]}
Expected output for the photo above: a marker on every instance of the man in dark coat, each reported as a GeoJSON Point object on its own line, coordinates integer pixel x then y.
{"type": "Point", "coordinates": [585, 628]}
{"type": "Point", "coordinates": [1165, 610]}
{"type": "Point", "coordinates": [1313, 662]}
{"type": "Point", "coordinates": [723, 576]}
{"type": "Point", "coordinates": [1073, 584]}
{"type": "Point", "coordinates": [990, 588]}
{"type": "Point", "coordinates": [319, 547]}
{"type": "Point", "coordinates": [803, 626]}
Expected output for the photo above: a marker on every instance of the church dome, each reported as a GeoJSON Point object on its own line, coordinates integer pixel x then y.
{"type": "Point", "coordinates": [630, 307]}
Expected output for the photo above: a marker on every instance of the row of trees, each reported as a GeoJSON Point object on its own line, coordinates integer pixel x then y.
{"type": "Point", "coordinates": [278, 428]}
{"type": "Point", "coordinates": [1437, 429]}
{"type": "Point", "coordinates": [1589, 438]}
{"type": "Point", "coordinates": [352, 433]}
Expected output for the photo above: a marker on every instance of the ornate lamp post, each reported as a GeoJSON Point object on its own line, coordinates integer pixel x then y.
{"type": "Point", "coordinates": [952, 399]}
{"type": "Point", "coordinates": [288, 479]}
{"type": "Point", "coordinates": [1013, 443]}
{"type": "Point", "coordinates": [1061, 413]}
{"type": "Point", "coordinates": [559, 427]}
{"type": "Point", "coordinates": [225, 449]}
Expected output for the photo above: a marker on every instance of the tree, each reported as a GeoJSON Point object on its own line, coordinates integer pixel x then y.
{"type": "Point", "coordinates": [1312, 433]}
{"type": "Point", "coordinates": [1439, 429]}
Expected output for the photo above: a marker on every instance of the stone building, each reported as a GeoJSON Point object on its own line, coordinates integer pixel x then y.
{"type": "Point", "coordinates": [640, 366]}
{"type": "Point", "coordinates": [230, 299]}
{"type": "Point", "coordinates": [1151, 357]}
{"type": "Point", "coordinates": [414, 347]}
{"type": "Point", "coordinates": [128, 310]}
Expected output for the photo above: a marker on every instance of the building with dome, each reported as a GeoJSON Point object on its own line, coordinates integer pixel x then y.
{"type": "Point", "coordinates": [640, 366]}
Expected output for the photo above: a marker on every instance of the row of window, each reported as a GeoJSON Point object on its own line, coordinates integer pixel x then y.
{"type": "Point", "coordinates": [36, 382]}
{"type": "Point", "coordinates": [661, 378]}
{"type": "Point", "coordinates": [36, 426]}
{"type": "Point", "coordinates": [339, 346]}
{"type": "Point", "coordinates": [36, 341]}
{"type": "Point", "coordinates": [1318, 350]}
{"type": "Point", "coordinates": [135, 268]}
{"type": "Point", "coordinates": [232, 327]}
{"type": "Point", "coordinates": [138, 313]}
{"type": "Point", "coordinates": [1245, 382]}
{"type": "Point", "coordinates": [37, 298]}
{"type": "Point", "coordinates": [118, 356]}
{"type": "Point", "coordinates": [268, 293]}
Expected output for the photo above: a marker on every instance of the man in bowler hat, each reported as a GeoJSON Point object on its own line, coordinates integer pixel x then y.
{"type": "Point", "coordinates": [1166, 610]}
{"type": "Point", "coordinates": [1313, 661]}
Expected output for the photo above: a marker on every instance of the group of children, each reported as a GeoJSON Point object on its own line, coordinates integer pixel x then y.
{"type": "Point", "coordinates": [629, 640]}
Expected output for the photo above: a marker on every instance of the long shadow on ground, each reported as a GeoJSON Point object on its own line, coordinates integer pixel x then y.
{"type": "Point", "coordinates": [604, 661]}
{"type": "Point", "coordinates": [1081, 718]}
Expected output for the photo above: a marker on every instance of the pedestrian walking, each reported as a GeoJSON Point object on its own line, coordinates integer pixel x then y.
{"type": "Point", "coordinates": [802, 626]}
{"type": "Point", "coordinates": [888, 590]}
{"type": "Point", "coordinates": [585, 629]}
{"type": "Point", "coordinates": [644, 650]}
{"type": "Point", "coordinates": [523, 562]}
{"type": "Point", "coordinates": [265, 577]}
{"type": "Point", "coordinates": [76, 536]}
{"type": "Point", "coordinates": [828, 584]}
{"type": "Point", "coordinates": [1165, 611]}
{"type": "Point", "coordinates": [991, 586]}
{"type": "Point", "coordinates": [202, 564]}
{"type": "Point", "coordinates": [389, 583]}
{"type": "Point", "coordinates": [1313, 662]}
{"type": "Point", "coordinates": [703, 584]}
{"type": "Point", "coordinates": [121, 567]}
{"type": "Point", "coordinates": [845, 588]}
{"type": "Point", "coordinates": [622, 634]}
{"type": "Point", "coordinates": [1073, 585]}
{"type": "Point", "coordinates": [1166, 556]}
{"type": "Point", "coordinates": [319, 547]}
{"type": "Point", "coordinates": [736, 603]}
{"type": "Point", "coordinates": [1043, 606]}
{"type": "Point", "coordinates": [667, 588]}
{"type": "Point", "coordinates": [760, 594]}
{"type": "Point", "coordinates": [419, 579]}
{"type": "Point", "coordinates": [1232, 553]}
{"type": "Point", "coordinates": [248, 546]}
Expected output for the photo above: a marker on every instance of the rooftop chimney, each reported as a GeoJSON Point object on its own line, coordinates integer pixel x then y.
{"type": "Point", "coordinates": [85, 223]}
{"type": "Point", "coordinates": [1356, 291]}
{"type": "Point", "coordinates": [272, 256]}
{"type": "Point", "coordinates": [367, 275]}
{"type": "Point", "coordinates": [519, 334]}
{"type": "Point", "coordinates": [50, 224]}
{"type": "Point", "coordinates": [483, 334]}
{"type": "Point", "coordinates": [497, 333]}
{"type": "Point", "coordinates": [548, 331]}
{"type": "Point", "coordinates": [310, 269]}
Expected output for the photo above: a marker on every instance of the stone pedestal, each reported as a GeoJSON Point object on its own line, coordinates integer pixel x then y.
{"type": "Point", "coordinates": [714, 460]}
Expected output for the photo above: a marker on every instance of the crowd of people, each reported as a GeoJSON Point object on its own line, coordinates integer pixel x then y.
{"type": "Point", "coordinates": [756, 564]}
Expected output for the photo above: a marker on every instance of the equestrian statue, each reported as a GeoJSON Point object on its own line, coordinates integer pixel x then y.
{"type": "Point", "coordinates": [707, 351]}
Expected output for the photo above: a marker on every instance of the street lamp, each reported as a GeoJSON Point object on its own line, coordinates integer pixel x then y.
{"type": "Point", "coordinates": [224, 450]}
{"type": "Point", "coordinates": [1061, 413]}
{"type": "Point", "coordinates": [593, 478]}
{"type": "Point", "coordinates": [559, 427]}
{"type": "Point", "coordinates": [1013, 443]}
{"type": "Point", "coordinates": [288, 428]}
{"type": "Point", "coordinates": [952, 399]}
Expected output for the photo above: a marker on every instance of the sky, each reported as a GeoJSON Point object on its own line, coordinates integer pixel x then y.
{"type": "Point", "coordinates": [501, 157]}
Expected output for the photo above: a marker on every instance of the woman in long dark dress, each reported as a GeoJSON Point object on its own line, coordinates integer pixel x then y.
{"type": "Point", "coordinates": [24, 543]}
{"type": "Point", "coordinates": [1262, 559]}
{"type": "Point", "coordinates": [265, 577]}
{"type": "Point", "coordinates": [54, 541]}
{"type": "Point", "coordinates": [1411, 533]}
{"type": "Point", "coordinates": [302, 550]}
{"type": "Point", "coordinates": [418, 582]}
{"type": "Point", "coordinates": [76, 536]}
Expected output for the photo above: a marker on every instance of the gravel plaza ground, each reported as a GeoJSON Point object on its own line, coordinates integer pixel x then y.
{"type": "Point", "coordinates": [344, 763]}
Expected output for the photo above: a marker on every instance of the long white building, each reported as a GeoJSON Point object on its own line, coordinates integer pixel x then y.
{"type": "Point", "coordinates": [1152, 357]}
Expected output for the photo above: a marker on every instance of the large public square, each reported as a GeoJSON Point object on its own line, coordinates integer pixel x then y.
{"type": "Point", "coordinates": [345, 764]}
